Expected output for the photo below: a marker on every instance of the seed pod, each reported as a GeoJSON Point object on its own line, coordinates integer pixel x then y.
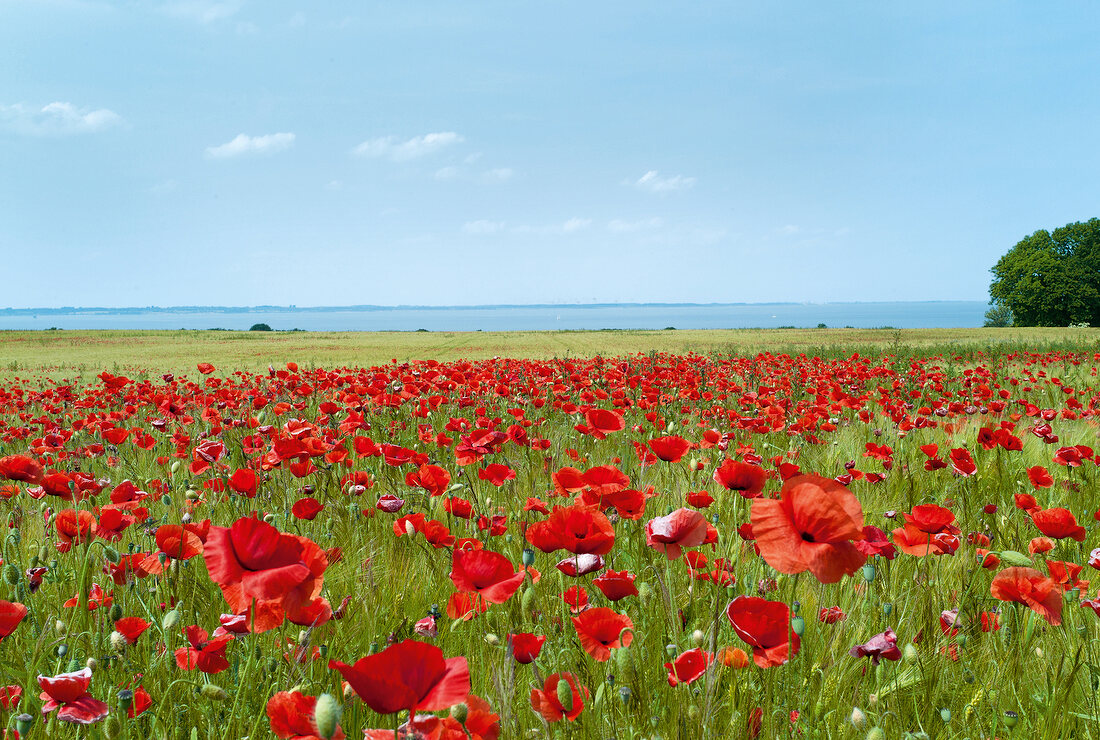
{"type": "Point", "coordinates": [869, 572]}
{"type": "Point", "coordinates": [528, 557]}
{"type": "Point", "coordinates": [798, 625]}
{"type": "Point", "coordinates": [697, 638]}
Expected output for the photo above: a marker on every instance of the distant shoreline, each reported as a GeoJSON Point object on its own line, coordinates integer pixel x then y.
{"type": "Point", "coordinates": [124, 310]}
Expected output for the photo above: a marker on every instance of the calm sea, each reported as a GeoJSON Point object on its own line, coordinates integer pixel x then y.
{"type": "Point", "coordinates": [945, 314]}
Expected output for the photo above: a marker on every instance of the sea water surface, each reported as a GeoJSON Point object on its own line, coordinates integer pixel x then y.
{"type": "Point", "coordinates": [922, 314]}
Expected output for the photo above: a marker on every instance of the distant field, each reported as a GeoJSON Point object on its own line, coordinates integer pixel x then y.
{"type": "Point", "coordinates": [69, 353]}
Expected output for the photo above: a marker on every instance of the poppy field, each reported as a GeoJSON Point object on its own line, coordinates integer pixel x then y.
{"type": "Point", "coordinates": [641, 546]}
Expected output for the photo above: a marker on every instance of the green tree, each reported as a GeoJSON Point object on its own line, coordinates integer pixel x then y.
{"type": "Point", "coordinates": [260, 327]}
{"type": "Point", "coordinates": [998, 315]}
{"type": "Point", "coordinates": [1051, 279]}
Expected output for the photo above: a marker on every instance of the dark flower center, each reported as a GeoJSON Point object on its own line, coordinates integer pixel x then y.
{"type": "Point", "coordinates": [807, 537]}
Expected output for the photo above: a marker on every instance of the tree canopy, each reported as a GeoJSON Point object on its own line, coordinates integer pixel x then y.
{"type": "Point", "coordinates": [1051, 279]}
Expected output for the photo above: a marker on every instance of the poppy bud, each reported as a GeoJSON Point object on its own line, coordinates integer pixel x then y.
{"type": "Point", "coordinates": [622, 659]}
{"type": "Point", "coordinates": [945, 714]}
{"type": "Point", "coordinates": [191, 495]}
{"type": "Point", "coordinates": [909, 653]}
{"type": "Point", "coordinates": [876, 733]}
{"type": "Point", "coordinates": [410, 530]}
{"type": "Point", "coordinates": [693, 712]}
{"type": "Point", "coordinates": [111, 554]}
{"type": "Point", "coordinates": [59, 627]}
{"type": "Point", "coordinates": [528, 600]}
{"type": "Point", "coordinates": [61, 650]}
{"type": "Point", "coordinates": [326, 716]}
{"type": "Point", "coordinates": [492, 640]}
{"type": "Point", "coordinates": [175, 466]}
{"type": "Point", "coordinates": [171, 619]}
{"type": "Point", "coordinates": [111, 728]}
{"type": "Point", "coordinates": [166, 500]}
{"type": "Point", "coordinates": [458, 711]}
{"type": "Point", "coordinates": [697, 638]}
{"type": "Point", "coordinates": [857, 718]}
{"type": "Point", "coordinates": [269, 518]}
{"type": "Point", "coordinates": [349, 692]}
{"type": "Point", "coordinates": [565, 695]}
{"type": "Point", "coordinates": [118, 642]}
{"type": "Point", "coordinates": [11, 575]}
{"type": "Point", "coordinates": [645, 593]}
{"type": "Point", "coordinates": [186, 518]}
{"type": "Point", "coordinates": [798, 625]}
{"type": "Point", "coordinates": [43, 553]}
{"type": "Point", "coordinates": [91, 664]}
{"type": "Point", "coordinates": [213, 691]}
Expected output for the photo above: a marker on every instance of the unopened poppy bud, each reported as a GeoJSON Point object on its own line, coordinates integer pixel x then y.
{"type": "Point", "coordinates": [191, 495]}
{"type": "Point", "coordinates": [693, 712]}
{"type": "Point", "coordinates": [43, 553]}
{"type": "Point", "coordinates": [213, 691]}
{"type": "Point", "coordinates": [326, 716]}
{"type": "Point", "coordinates": [858, 717]}
{"type": "Point", "coordinates": [269, 518]}
{"type": "Point", "coordinates": [945, 714]}
{"type": "Point", "coordinates": [186, 518]}
{"type": "Point", "coordinates": [111, 554]}
{"type": "Point", "coordinates": [112, 728]}
{"type": "Point", "coordinates": [91, 664]}
{"type": "Point", "coordinates": [118, 642]}
{"type": "Point", "coordinates": [645, 593]}
{"type": "Point", "coordinates": [528, 600]}
{"type": "Point", "coordinates": [171, 619]}
{"type": "Point", "coordinates": [116, 612]}
{"type": "Point", "coordinates": [909, 653]}
{"type": "Point", "coordinates": [410, 530]}
{"type": "Point", "coordinates": [565, 695]}
{"type": "Point", "coordinates": [166, 500]}
{"type": "Point", "coordinates": [349, 693]}
{"type": "Point", "coordinates": [60, 627]}
{"type": "Point", "coordinates": [876, 733]}
{"type": "Point", "coordinates": [175, 466]}
{"type": "Point", "coordinates": [528, 557]}
{"type": "Point", "coordinates": [798, 625]}
{"type": "Point", "coordinates": [459, 712]}
{"type": "Point", "coordinates": [491, 639]}
{"type": "Point", "coordinates": [11, 575]}
{"type": "Point", "coordinates": [697, 638]}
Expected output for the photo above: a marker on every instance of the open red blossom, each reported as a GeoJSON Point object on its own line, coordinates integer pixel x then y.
{"type": "Point", "coordinates": [811, 527]}
{"type": "Point", "coordinates": [291, 716]}
{"type": "Point", "coordinates": [487, 573]}
{"type": "Point", "coordinates": [201, 652]}
{"type": "Point", "coordinates": [10, 696]}
{"type": "Point", "coordinates": [601, 422]}
{"type": "Point", "coordinates": [699, 499]}
{"type": "Point", "coordinates": [1029, 587]}
{"type": "Point", "coordinates": [883, 646]}
{"type": "Point", "coordinates": [1039, 477]}
{"type": "Point", "coordinates": [21, 468]}
{"type": "Point", "coordinates": [545, 700]}
{"type": "Point", "coordinates": [616, 585]}
{"type": "Point", "coordinates": [74, 527]}
{"type": "Point", "coordinates": [205, 368]}
{"type": "Point", "coordinates": [408, 675]}
{"type": "Point", "coordinates": [432, 478]}
{"type": "Point", "coordinates": [244, 482]}
{"type": "Point", "coordinates": [670, 449]}
{"type": "Point", "coordinates": [496, 473]}
{"type": "Point", "coordinates": [577, 529]}
{"type": "Point", "coordinates": [1058, 523]}
{"type": "Point", "coordinates": [131, 628]}
{"type": "Point", "coordinates": [306, 508]}
{"type": "Point", "coordinates": [670, 534]}
{"type": "Point", "coordinates": [526, 646]}
{"type": "Point", "coordinates": [748, 480]}
{"type": "Point", "coordinates": [69, 693]}
{"type": "Point", "coordinates": [688, 667]}
{"type": "Point", "coordinates": [142, 701]}
{"type": "Point", "coordinates": [766, 627]}
{"type": "Point", "coordinates": [11, 614]}
{"type": "Point", "coordinates": [580, 565]}
{"type": "Point", "coordinates": [875, 542]}
{"type": "Point", "coordinates": [465, 605]}
{"type": "Point", "coordinates": [962, 463]}
{"type": "Point", "coordinates": [602, 629]}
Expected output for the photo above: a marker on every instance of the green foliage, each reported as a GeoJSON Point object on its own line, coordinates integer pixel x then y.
{"type": "Point", "coordinates": [260, 327]}
{"type": "Point", "coordinates": [998, 316]}
{"type": "Point", "coordinates": [1051, 279]}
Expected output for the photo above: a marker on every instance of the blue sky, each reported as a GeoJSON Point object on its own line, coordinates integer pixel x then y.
{"type": "Point", "coordinates": [239, 152]}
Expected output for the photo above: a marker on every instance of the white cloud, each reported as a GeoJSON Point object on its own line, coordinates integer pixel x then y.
{"type": "Point", "coordinates": [334, 185]}
{"type": "Point", "coordinates": [203, 11]}
{"type": "Point", "coordinates": [56, 119]}
{"type": "Point", "coordinates": [623, 227]}
{"type": "Point", "coordinates": [576, 224]}
{"type": "Point", "coordinates": [482, 227]}
{"type": "Point", "coordinates": [788, 230]}
{"type": "Point", "coordinates": [446, 173]}
{"type": "Point", "coordinates": [500, 174]}
{"type": "Point", "coordinates": [245, 144]}
{"type": "Point", "coordinates": [400, 151]}
{"type": "Point", "coordinates": [654, 183]}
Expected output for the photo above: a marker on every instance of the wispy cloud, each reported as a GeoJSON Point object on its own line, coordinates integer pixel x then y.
{"type": "Point", "coordinates": [202, 11]}
{"type": "Point", "coordinates": [576, 224]}
{"type": "Point", "coordinates": [56, 119]}
{"type": "Point", "coordinates": [619, 226]}
{"type": "Point", "coordinates": [393, 148]}
{"type": "Point", "coordinates": [500, 174]}
{"type": "Point", "coordinates": [788, 230]}
{"type": "Point", "coordinates": [446, 173]}
{"type": "Point", "coordinates": [654, 183]}
{"type": "Point", "coordinates": [482, 227]}
{"type": "Point", "coordinates": [245, 144]}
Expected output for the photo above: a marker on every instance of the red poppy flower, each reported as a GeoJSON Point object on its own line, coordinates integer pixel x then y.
{"type": "Point", "coordinates": [577, 598]}
{"type": "Point", "coordinates": [670, 534]}
{"type": "Point", "coordinates": [291, 716]}
{"type": "Point", "coordinates": [306, 508]}
{"type": "Point", "coordinates": [546, 700]}
{"type": "Point", "coordinates": [408, 675]}
{"type": "Point", "coordinates": [766, 627]}
{"type": "Point", "coordinates": [688, 667]}
{"type": "Point", "coordinates": [183, 541]}
{"type": "Point", "coordinates": [141, 702]}
{"type": "Point", "coordinates": [205, 368]}
{"type": "Point", "coordinates": [74, 527]}
{"type": "Point", "coordinates": [602, 629]}
{"type": "Point", "coordinates": [465, 605]}
{"type": "Point", "coordinates": [811, 527]}
{"type": "Point", "coordinates": [831, 615]}
{"type": "Point", "coordinates": [131, 628]}
{"type": "Point", "coordinates": [700, 499]}
{"type": "Point", "coordinates": [69, 692]}
{"type": "Point", "coordinates": [526, 646]}
{"type": "Point", "coordinates": [670, 449]}
{"type": "Point", "coordinates": [203, 653]}
{"type": "Point", "coordinates": [1058, 523]}
{"type": "Point", "coordinates": [10, 696]}
{"type": "Point", "coordinates": [487, 573]}
{"type": "Point", "coordinates": [1039, 477]}
{"type": "Point", "coordinates": [244, 482]}
{"type": "Point", "coordinates": [577, 529]}
{"type": "Point", "coordinates": [748, 480]}
{"type": "Point", "coordinates": [875, 542]}
{"type": "Point", "coordinates": [883, 646]}
{"type": "Point", "coordinates": [580, 565]}
{"type": "Point", "coordinates": [11, 614]}
{"type": "Point", "coordinates": [602, 422]}
{"type": "Point", "coordinates": [616, 585]}
{"type": "Point", "coordinates": [21, 468]}
{"type": "Point", "coordinates": [496, 473]}
{"type": "Point", "coordinates": [1029, 587]}
{"type": "Point", "coordinates": [432, 478]}
{"type": "Point", "coordinates": [962, 463]}
{"type": "Point", "coordinates": [264, 562]}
